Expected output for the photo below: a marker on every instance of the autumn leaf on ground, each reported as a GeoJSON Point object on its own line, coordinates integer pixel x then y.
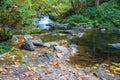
{"type": "Point", "coordinates": [28, 68]}
{"type": "Point", "coordinates": [77, 66]}
{"type": "Point", "coordinates": [40, 65]}
{"type": "Point", "coordinates": [35, 78]}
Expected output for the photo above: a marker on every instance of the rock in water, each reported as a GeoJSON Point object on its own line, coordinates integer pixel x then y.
{"type": "Point", "coordinates": [27, 37]}
{"type": "Point", "coordinates": [37, 42]}
{"type": "Point", "coordinates": [28, 45]}
{"type": "Point", "coordinates": [116, 45]}
{"type": "Point", "coordinates": [103, 29]}
{"type": "Point", "coordinates": [73, 48]}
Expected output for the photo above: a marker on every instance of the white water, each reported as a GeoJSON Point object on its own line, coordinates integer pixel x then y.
{"type": "Point", "coordinates": [44, 21]}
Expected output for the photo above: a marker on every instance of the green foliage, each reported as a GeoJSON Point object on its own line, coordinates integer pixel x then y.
{"type": "Point", "coordinates": [4, 46]}
{"type": "Point", "coordinates": [16, 13]}
{"type": "Point", "coordinates": [75, 19]}
{"type": "Point", "coordinates": [5, 35]}
{"type": "Point", "coordinates": [55, 8]}
{"type": "Point", "coordinates": [13, 56]}
{"type": "Point", "coordinates": [107, 14]}
{"type": "Point", "coordinates": [19, 53]}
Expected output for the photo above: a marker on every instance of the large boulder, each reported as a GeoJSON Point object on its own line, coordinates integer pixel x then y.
{"type": "Point", "coordinates": [28, 45]}
{"type": "Point", "coordinates": [37, 42]}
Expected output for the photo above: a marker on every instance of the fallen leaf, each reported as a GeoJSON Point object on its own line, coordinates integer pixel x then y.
{"type": "Point", "coordinates": [104, 79]}
{"type": "Point", "coordinates": [29, 73]}
{"type": "Point", "coordinates": [79, 79]}
{"type": "Point", "coordinates": [47, 72]}
{"type": "Point", "coordinates": [40, 65]}
{"type": "Point", "coordinates": [77, 66]}
{"type": "Point", "coordinates": [41, 78]}
{"type": "Point", "coordinates": [3, 71]}
{"type": "Point", "coordinates": [28, 68]}
{"type": "Point", "coordinates": [35, 78]}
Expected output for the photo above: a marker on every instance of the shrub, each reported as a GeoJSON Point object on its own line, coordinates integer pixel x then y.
{"type": "Point", "coordinates": [75, 19]}
{"type": "Point", "coordinates": [4, 47]}
{"type": "Point", "coordinates": [5, 35]}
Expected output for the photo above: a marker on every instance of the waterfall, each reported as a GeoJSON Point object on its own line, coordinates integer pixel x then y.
{"type": "Point", "coordinates": [43, 22]}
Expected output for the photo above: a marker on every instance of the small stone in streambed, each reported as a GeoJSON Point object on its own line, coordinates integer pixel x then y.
{"type": "Point", "coordinates": [49, 44]}
{"type": "Point", "coordinates": [27, 37]}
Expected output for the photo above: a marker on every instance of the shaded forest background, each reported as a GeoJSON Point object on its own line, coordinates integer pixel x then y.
{"type": "Point", "coordinates": [18, 16]}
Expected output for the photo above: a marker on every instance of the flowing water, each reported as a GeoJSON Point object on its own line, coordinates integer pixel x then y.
{"type": "Point", "coordinates": [44, 21]}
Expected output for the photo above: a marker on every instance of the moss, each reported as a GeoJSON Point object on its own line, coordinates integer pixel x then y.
{"type": "Point", "coordinates": [13, 56]}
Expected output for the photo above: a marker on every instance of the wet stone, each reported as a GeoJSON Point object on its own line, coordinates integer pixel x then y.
{"type": "Point", "coordinates": [37, 42]}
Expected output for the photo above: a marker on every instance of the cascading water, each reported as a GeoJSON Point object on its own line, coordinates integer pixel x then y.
{"type": "Point", "coordinates": [43, 22]}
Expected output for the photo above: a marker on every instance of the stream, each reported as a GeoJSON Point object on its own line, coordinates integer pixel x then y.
{"type": "Point", "coordinates": [65, 53]}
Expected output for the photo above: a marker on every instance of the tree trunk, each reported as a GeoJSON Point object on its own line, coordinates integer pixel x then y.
{"type": "Point", "coordinates": [97, 2]}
